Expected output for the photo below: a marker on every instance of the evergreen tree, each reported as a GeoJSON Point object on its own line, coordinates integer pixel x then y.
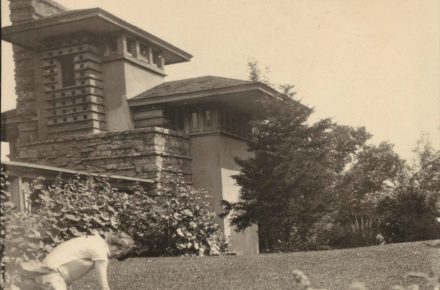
{"type": "Point", "coordinates": [286, 186]}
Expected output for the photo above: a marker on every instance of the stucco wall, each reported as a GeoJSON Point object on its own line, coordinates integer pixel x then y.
{"type": "Point", "coordinates": [136, 153]}
{"type": "Point", "coordinates": [206, 171]}
{"type": "Point", "coordinates": [122, 80]}
{"type": "Point", "coordinates": [245, 242]}
{"type": "Point", "coordinates": [213, 166]}
{"type": "Point", "coordinates": [140, 79]}
{"type": "Point", "coordinates": [117, 115]}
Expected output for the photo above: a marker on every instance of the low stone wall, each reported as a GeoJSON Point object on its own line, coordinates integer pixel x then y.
{"type": "Point", "coordinates": [136, 153]}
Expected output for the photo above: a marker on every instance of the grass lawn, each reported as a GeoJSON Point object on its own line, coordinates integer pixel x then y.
{"type": "Point", "coordinates": [379, 267]}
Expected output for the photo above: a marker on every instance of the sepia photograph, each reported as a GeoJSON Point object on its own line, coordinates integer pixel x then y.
{"type": "Point", "coordinates": [208, 144]}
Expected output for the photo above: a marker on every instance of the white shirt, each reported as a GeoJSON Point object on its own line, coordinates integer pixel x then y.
{"type": "Point", "coordinates": [74, 258]}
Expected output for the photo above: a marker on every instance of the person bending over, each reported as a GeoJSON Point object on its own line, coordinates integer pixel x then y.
{"type": "Point", "coordinates": [74, 258]}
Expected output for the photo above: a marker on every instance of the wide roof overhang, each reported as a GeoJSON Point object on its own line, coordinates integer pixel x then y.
{"type": "Point", "coordinates": [245, 98]}
{"type": "Point", "coordinates": [95, 20]}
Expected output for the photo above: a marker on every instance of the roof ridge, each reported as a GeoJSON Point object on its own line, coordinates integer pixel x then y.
{"type": "Point", "coordinates": [200, 83]}
{"type": "Point", "coordinates": [206, 76]}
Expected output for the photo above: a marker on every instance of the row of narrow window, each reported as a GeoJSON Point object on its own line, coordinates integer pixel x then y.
{"type": "Point", "coordinates": [131, 49]}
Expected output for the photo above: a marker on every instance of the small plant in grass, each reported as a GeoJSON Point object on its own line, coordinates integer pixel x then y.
{"type": "Point", "coordinates": [431, 280]}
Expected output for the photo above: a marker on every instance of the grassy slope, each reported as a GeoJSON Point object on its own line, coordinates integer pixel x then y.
{"type": "Point", "coordinates": [379, 267]}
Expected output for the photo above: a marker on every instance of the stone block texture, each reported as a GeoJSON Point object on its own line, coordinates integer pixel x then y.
{"type": "Point", "coordinates": [141, 153]}
{"type": "Point", "coordinates": [25, 62]}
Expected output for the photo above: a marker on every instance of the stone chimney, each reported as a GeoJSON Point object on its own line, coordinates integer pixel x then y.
{"type": "Point", "coordinates": [25, 66]}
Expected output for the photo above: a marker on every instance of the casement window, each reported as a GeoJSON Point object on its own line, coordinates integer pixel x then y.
{"type": "Point", "coordinates": [208, 119]}
{"type": "Point", "coordinates": [194, 121]}
{"type": "Point", "coordinates": [111, 46]}
{"type": "Point", "coordinates": [157, 58]}
{"type": "Point", "coordinates": [144, 51]}
{"type": "Point", "coordinates": [131, 47]}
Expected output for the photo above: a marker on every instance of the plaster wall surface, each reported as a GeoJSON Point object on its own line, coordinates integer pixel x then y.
{"type": "Point", "coordinates": [245, 242]}
{"type": "Point", "coordinates": [213, 166]}
{"type": "Point", "coordinates": [123, 80]}
{"type": "Point", "coordinates": [117, 111]}
{"type": "Point", "coordinates": [139, 79]}
{"type": "Point", "coordinates": [206, 171]}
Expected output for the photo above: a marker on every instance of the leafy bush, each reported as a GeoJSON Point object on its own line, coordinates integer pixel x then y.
{"type": "Point", "coordinates": [410, 215]}
{"type": "Point", "coordinates": [171, 220]}
{"type": "Point", "coordinates": [22, 238]}
{"type": "Point", "coordinates": [76, 207]}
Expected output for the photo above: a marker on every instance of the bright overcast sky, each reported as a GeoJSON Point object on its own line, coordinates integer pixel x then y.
{"type": "Point", "coordinates": [363, 63]}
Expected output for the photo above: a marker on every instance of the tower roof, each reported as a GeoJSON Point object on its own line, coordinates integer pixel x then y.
{"type": "Point", "coordinates": [95, 20]}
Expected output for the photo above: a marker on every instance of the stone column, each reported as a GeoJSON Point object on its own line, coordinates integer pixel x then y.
{"type": "Point", "coordinates": [25, 62]}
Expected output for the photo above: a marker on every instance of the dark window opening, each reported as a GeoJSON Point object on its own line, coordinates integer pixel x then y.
{"type": "Point", "coordinates": [194, 122]}
{"type": "Point", "coordinates": [131, 47]}
{"type": "Point", "coordinates": [145, 52]}
{"type": "Point", "coordinates": [112, 46]}
{"type": "Point", "coordinates": [67, 70]}
{"type": "Point", "coordinates": [208, 119]}
{"type": "Point", "coordinates": [179, 119]}
{"type": "Point", "coordinates": [157, 58]}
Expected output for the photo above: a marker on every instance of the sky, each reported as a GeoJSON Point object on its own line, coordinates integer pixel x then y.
{"type": "Point", "coordinates": [362, 63]}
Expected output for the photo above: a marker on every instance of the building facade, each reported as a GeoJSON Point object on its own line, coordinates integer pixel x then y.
{"type": "Point", "coordinates": [92, 96]}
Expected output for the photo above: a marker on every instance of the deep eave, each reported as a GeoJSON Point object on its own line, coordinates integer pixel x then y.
{"type": "Point", "coordinates": [258, 88]}
{"type": "Point", "coordinates": [94, 20]}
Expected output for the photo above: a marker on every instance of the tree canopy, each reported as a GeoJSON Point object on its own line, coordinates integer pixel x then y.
{"type": "Point", "coordinates": [317, 185]}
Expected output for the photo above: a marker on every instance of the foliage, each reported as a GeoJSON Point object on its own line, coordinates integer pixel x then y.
{"type": "Point", "coordinates": [59, 212]}
{"type": "Point", "coordinates": [76, 207]}
{"type": "Point", "coordinates": [286, 185]}
{"type": "Point", "coordinates": [172, 220]}
{"type": "Point", "coordinates": [5, 208]}
{"type": "Point", "coordinates": [316, 186]}
{"type": "Point", "coordinates": [410, 212]}
{"type": "Point", "coordinates": [358, 192]}
{"type": "Point", "coordinates": [255, 73]}
{"type": "Point", "coordinates": [21, 237]}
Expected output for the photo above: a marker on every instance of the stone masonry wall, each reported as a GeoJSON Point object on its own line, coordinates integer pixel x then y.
{"type": "Point", "coordinates": [26, 88]}
{"type": "Point", "coordinates": [138, 153]}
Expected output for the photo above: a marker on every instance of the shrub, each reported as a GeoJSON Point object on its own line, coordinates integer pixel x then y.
{"type": "Point", "coordinates": [173, 219]}
{"type": "Point", "coordinates": [76, 207]}
{"type": "Point", "coordinates": [21, 238]}
{"type": "Point", "coordinates": [409, 215]}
